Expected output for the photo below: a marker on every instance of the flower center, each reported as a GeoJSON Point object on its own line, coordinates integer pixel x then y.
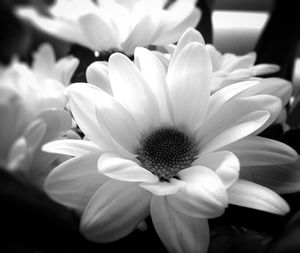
{"type": "Point", "coordinates": [166, 151]}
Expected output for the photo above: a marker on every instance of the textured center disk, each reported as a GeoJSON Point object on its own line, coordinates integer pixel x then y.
{"type": "Point", "coordinates": [166, 151]}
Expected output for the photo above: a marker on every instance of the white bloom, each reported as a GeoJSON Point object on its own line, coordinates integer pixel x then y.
{"type": "Point", "coordinates": [161, 144]}
{"type": "Point", "coordinates": [32, 111]}
{"type": "Point", "coordinates": [117, 25]}
{"type": "Point", "coordinates": [43, 85]}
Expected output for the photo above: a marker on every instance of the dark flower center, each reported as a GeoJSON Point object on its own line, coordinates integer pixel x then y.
{"type": "Point", "coordinates": [166, 151]}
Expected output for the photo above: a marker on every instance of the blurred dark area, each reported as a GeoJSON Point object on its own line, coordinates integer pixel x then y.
{"type": "Point", "coordinates": [31, 222]}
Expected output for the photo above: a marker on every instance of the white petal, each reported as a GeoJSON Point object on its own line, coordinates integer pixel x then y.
{"type": "Point", "coordinates": [178, 232]}
{"type": "Point", "coordinates": [164, 58]}
{"type": "Point", "coordinates": [75, 181]}
{"type": "Point", "coordinates": [273, 86]}
{"type": "Point", "coordinates": [44, 60]}
{"type": "Point", "coordinates": [132, 91]}
{"type": "Point", "coordinates": [34, 133]}
{"type": "Point", "coordinates": [118, 122]}
{"type": "Point", "coordinates": [120, 17]}
{"type": "Point", "coordinates": [189, 36]}
{"type": "Point", "coordinates": [83, 101]}
{"type": "Point", "coordinates": [17, 155]}
{"type": "Point", "coordinates": [172, 32]}
{"type": "Point", "coordinates": [189, 81]}
{"type": "Point", "coordinates": [155, 74]}
{"type": "Point", "coordinates": [99, 32]}
{"type": "Point", "coordinates": [68, 31]}
{"type": "Point", "coordinates": [282, 178]}
{"type": "Point", "coordinates": [141, 35]}
{"type": "Point", "coordinates": [238, 62]}
{"type": "Point", "coordinates": [57, 120]}
{"type": "Point", "coordinates": [224, 163]}
{"type": "Point", "coordinates": [262, 69]}
{"type": "Point", "coordinates": [71, 147]}
{"type": "Point", "coordinates": [255, 150]}
{"type": "Point", "coordinates": [14, 118]}
{"type": "Point", "coordinates": [223, 95]}
{"type": "Point", "coordinates": [114, 211]}
{"type": "Point", "coordinates": [65, 68]}
{"type": "Point", "coordinates": [97, 74]}
{"type": "Point", "coordinates": [233, 111]}
{"type": "Point", "coordinates": [203, 196]}
{"type": "Point", "coordinates": [239, 129]}
{"type": "Point", "coordinates": [118, 168]}
{"type": "Point", "coordinates": [163, 188]}
{"type": "Point", "coordinates": [248, 194]}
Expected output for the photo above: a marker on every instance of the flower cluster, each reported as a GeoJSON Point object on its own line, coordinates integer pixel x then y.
{"type": "Point", "coordinates": [174, 134]}
{"type": "Point", "coordinates": [32, 111]}
{"type": "Point", "coordinates": [106, 25]}
{"type": "Point", "coordinates": [161, 142]}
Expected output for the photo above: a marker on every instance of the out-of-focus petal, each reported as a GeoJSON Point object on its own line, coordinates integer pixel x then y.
{"type": "Point", "coordinates": [97, 74]}
{"type": "Point", "coordinates": [105, 37]}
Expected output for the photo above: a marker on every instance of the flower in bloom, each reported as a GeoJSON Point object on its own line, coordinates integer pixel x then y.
{"type": "Point", "coordinates": [32, 105]}
{"type": "Point", "coordinates": [117, 25]}
{"type": "Point", "coordinates": [163, 145]}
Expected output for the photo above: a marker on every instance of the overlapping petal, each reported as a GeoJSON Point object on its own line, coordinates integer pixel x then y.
{"type": "Point", "coordinates": [188, 80]}
{"type": "Point", "coordinates": [118, 168]}
{"type": "Point", "coordinates": [127, 81]}
{"type": "Point", "coordinates": [71, 147]}
{"type": "Point", "coordinates": [121, 126]}
{"type": "Point", "coordinates": [114, 211]}
{"type": "Point", "coordinates": [154, 73]}
{"type": "Point", "coordinates": [97, 74]}
{"type": "Point", "coordinates": [249, 194]}
{"type": "Point", "coordinates": [179, 232]}
{"type": "Point", "coordinates": [257, 151]}
{"type": "Point", "coordinates": [74, 182]}
{"type": "Point", "coordinates": [235, 113]}
{"type": "Point", "coordinates": [224, 163]}
{"type": "Point", "coordinates": [282, 178]}
{"type": "Point", "coordinates": [203, 196]}
{"type": "Point", "coordinates": [83, 101]}
{"type": "Point", "coordinates": [161, 188]}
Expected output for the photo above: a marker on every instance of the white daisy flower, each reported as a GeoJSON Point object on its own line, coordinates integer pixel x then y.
{"type": "Point", "coordinates": [32, 105]}
{"type": "Point", "coordinates": [161, 145]}
{"type": "Point", "coordinates": [117, 25]}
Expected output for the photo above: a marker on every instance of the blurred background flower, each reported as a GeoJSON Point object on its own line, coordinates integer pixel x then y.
{"type": "Point", "coordinates": [32, 111]}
